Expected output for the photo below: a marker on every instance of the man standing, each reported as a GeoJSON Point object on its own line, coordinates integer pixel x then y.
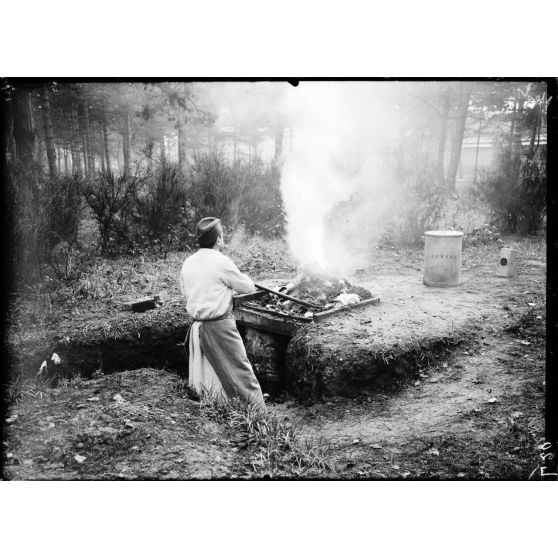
{"type": "Point", "coordinates": [218, 362]}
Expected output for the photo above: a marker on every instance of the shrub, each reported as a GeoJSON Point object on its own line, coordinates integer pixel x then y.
{"type": "Point", "coordinates": [418, 203]}
{"type": "Point", "coordinates": [44, 220]}
{"type": "Point", "coordinates": [214, 187]}
{"type": "Point", "coordinates": [515, 190]}
{"type": "Point", "coordinates": [112, 198]}
{"type": "Point", "coordinates": [62, 210]}
{"type": "Point", "coordinates": [63, 202]}
{"type": "Point", "coordinates": [160, 198]}
{"type": "Point", "coordinates": [240, 193]}
{"type": "Point", "coordinates": [260, 205]}
{"type": "Point", "coordinates": [163, 213]}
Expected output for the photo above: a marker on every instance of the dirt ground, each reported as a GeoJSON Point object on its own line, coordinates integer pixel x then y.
{"type": "Point", "coordinates": [382, 345]}
{"type": "Point", "coordinates": [474, 410]}
{"type": "Point", "coordinates": [130, 425]}
{"type": "Point", "coordinates": [477, 413]}
{"type": "Point", "coordinates": [471, 409]}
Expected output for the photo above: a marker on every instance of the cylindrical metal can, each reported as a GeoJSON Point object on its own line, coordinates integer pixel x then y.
{"type": "Point", "coordinates": [442, 258]}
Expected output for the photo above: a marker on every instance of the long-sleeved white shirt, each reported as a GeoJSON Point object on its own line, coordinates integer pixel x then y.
{"type": "Point", "coordinates": [208, 280]}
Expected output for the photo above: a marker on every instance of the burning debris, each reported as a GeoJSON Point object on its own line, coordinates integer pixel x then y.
{"type": "Point", "coordinates": [309, 294]}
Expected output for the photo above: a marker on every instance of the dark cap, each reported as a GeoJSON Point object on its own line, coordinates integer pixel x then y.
{"type": "Point", "coordinates": [208, 231]}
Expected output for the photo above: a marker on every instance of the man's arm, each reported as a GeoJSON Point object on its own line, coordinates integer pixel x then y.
{"type": "Point", "coordinates": [233, 278]}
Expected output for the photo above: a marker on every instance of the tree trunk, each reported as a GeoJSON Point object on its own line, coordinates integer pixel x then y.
{"type": "Point", "coordinates": [77, 167]}
{"type": "Point", "coordinates": [477, 152]}
{"type": "Point", "coordinates": [39, 156]}
{"type": "Point", "coordinates": [24, 130]}
{"type": "Point", "coordinates": [103, 167]}
{"type": "Point", "coordinates": [181, 144]}
{"type": "Point", "coordinates": [7, 131]}
{"type": "Point", "coordinates": [519, 117]}
{"type": "Point", "coordinates": [93, 151]}
{"type": "Point", "coordinates": [66, 166]}
{"type": "Point", "coordinates": [278, 143]}
{"type": "Point", "coordinates": [512, 127]}
{"type": "Point", "coordinates": [106, 144]}
{"type": "Point", "coordinates": [126, 143]}
{"type": "Point", "coordinates": [118, 157]}
{"type": "Point", "coordinates": [163, 150]}
{"type": "Point", "coordinates": [11, 142]}
{"type": "Point", "coordinates": [87, 142]}
{"type": "Point", "coordinates": [49, 135]}
{"type": "Point", "coordinates": [444, 113]}
{"type": "Point", "coordinates": [535, 130]}
{"type": "Point", "coordinates": [401, 106]}
{"type": "Point", "coordinates": [83, 138]}
{"type": "Point", "coordinates": [149, 145]}
{"type": "Point", "coordinates": [457, 136]}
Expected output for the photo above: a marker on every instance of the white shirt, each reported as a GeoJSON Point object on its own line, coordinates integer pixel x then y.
{"type": "Point", "coordinates": [208, 280]}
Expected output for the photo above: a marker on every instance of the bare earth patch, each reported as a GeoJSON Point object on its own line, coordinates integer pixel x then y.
{"type": "Point", "coordinates": [150, 431]}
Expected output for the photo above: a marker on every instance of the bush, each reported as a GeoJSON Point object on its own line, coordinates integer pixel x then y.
{"type": "Point", "coordinates": [113, 200]}
{"type": "Point", "coordinates": [240, 193]}
{"type": "Point", "coordinates": [62, 210]}
{"type": "Point", "coordinates": [163, 213]}
{"type": "Point", "coordinates": [214, 186]}
{"type": "Point", "coordinates": [515, 190]}
{"type": "Point", "coordinates": [64, 197]}
{"type": "Point", "coordinates": [419, 201]}
{"type": "Point", "coordinates": [260, 205]}
{"type": "Point", "coordinates": [46, 216]}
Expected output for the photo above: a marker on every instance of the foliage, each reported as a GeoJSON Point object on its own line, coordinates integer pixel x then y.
{"type": "Point", "coordinates": [482, 235]}
{"type": "Point", "coordinates": [279, 449]}
{"type": "Point", "coordinates": [419, 202]}
{"type": "Point", "coordinates": [260, 206]}
{"type": "Point", "coordinates": [256, 254]}
{"type": "Point", "coordinates": [163, 211]}
{"type": "Point", "coordinates": [112, 199]}
{"type": "Point", "coordinates": [515, 190]}
{"type": "Point", "coordinates": [44, 220]}
{"type": "Point", "coordinates": [63, 207]}
{"type": "Point", "coordinates": [214, 186]}
{"type": "Point", "coordinates": [239, 192]}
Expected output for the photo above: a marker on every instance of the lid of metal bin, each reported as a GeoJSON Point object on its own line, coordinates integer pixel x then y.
{"type": "Point", "coordinates": [444, 233]}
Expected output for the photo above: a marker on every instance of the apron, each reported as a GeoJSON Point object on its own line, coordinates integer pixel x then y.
{"type": "Point", "coordinates": [218, 364]}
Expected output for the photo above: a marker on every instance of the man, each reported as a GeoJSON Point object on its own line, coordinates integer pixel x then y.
{"type": "Point", "coordinates": [218, 362]}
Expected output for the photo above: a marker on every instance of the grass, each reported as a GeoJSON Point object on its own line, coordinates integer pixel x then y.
{"type": "Point", "coordinates": [104, 281]}
{"type": "Point", "coordinates": [19, 389]}
{"type": "Point", "coordinates": [528, 248]}
{"type": "Point", "coordinates": [279, 449]}
{"type": "Point", "coordinates": [257, 254]}
{"type": "Point", "coordinates": [140, 433]}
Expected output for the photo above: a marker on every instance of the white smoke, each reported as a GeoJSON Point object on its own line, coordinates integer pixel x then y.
{"type": "Point", "coordinates": [340, 131]}
{"type": "Point", "coordinates": [336, 134]}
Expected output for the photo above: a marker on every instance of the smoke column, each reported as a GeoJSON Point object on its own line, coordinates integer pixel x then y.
{"type": "Point", "coordinates": [339, 130]}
